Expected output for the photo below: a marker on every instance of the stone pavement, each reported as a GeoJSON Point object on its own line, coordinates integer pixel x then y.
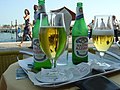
{"type": "Point", "coordinates": [7, 46]}
{"type": "Point", "coordinates": [14, 44]}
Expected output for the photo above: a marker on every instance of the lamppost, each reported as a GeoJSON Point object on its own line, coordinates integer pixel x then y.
{"type": "Point", "coordinates": [16, 29]}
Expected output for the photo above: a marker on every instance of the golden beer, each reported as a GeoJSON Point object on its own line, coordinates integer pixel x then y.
{"type": "Point", "coordinates": [102, 40]}
{"type": "Point", "coordinates": [52, 40]}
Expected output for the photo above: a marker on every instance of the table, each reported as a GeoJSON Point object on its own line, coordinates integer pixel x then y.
{"type": "Point", "coordinates": [8, 82]}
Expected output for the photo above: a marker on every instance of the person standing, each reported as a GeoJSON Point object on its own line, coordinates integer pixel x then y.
{"type": "Point", "coordinates": [91, 25]}
{"type": "Point", "coordinates": [36, 13]}
{"type": "Point", "coordinates": [27, 26]}
{"type": "Point", "coordinates": [115, 27]}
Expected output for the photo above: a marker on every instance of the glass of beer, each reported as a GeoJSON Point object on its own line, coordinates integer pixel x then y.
{"type": "Point", "coordinates": [52, 36]}
{"type": "Point", "coordinates": [103, 33]}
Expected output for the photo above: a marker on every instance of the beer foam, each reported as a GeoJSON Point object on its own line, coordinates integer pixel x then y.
{"type": "Point", "coordinates": [103, 32]}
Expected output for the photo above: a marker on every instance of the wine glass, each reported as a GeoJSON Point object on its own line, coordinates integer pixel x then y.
{"type": "Point", "coordinates": [103, 33]}
{"type": "Point", "coordinates": [53, 38]}
{"type": "Point", "coordinates": [103, 36]}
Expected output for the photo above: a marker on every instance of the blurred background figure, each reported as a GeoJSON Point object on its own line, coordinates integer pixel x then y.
{"type": "Point", "coordinates": [115, 27]}
{"type": "Point", "coordinates": [36, 13]}
{"type": "Point", "coordinates": [19, 32]}
{"type": "Point", "coordinates": [27, 31]}
{"type": "Point", "coordinates": [90, 26]}
{"type": "Point", "coordinates": [102, 25]}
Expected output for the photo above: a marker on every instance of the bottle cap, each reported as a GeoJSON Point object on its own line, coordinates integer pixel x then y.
{"type": "Point", "coordinates": [79, 4]}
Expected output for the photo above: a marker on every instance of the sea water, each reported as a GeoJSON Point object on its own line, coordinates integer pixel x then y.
{"type": "Point", "coordinates": [7, 37]}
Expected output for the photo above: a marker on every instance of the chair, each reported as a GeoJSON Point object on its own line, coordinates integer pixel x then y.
{"type": "Point", "coordinates": [9, 57]}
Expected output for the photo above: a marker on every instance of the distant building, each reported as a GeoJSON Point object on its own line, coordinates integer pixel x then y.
{"type": "Point", "coordinates": [71, 12]}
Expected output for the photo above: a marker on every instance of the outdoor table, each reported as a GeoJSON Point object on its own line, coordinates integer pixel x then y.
{"type": "Point", "coordinates": [8, 81]}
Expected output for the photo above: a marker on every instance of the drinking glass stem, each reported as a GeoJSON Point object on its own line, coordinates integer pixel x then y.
{"type": "Point", "coordinates": [101, 55]}
{"type": "Point", "coordinates": [67, 49]}
{"type": "Point", "coordinates": [53, 63]}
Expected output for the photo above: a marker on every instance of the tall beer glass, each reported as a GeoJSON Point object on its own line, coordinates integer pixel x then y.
{"type": "Point", "coordinates": [103, 33]}
{"type": "Point", "coordinates": [53, 39]}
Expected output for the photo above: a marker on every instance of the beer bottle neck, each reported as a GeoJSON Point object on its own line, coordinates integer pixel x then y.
{"type": "Point", "coordinates": [41, 4]}
{"type": "Point", "coordinates": [79, 13]}
{"type": "Point", "coordinates": [41, 7]}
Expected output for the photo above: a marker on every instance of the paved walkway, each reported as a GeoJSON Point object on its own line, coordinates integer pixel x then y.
{"type": "Point", "coordinates": [14, 46]}
{"type": "Point", "coordinates": [6, 46]}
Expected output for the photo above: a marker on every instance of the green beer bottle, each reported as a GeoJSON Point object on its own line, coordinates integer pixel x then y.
{"type": "Point", "coordinates": [79, 37]}
{"type": "Point", "coordinates": [40, 59]}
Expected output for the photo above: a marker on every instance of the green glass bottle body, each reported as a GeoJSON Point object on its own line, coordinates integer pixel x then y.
{"type": "Point", "coordinates": [79, 37]}
{"type": "Point", "coordinates": [40, 59]}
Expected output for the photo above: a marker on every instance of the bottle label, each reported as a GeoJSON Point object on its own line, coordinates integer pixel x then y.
{"type": "Point", "coordinates": [39, 55]}
{"type": "Point", "coordinates": [81, 46]}
{"type": "Point", "coordinates": [42, 8]}
{"type": "Point", "coordinates": [79, 13]}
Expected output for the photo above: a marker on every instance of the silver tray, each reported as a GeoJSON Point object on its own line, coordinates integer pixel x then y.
{"type": "Point", "coordinates": [110, 58]}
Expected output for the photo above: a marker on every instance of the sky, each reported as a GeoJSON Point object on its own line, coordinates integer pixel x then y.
{"type": "Point", "coordinates": [11, 10]}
